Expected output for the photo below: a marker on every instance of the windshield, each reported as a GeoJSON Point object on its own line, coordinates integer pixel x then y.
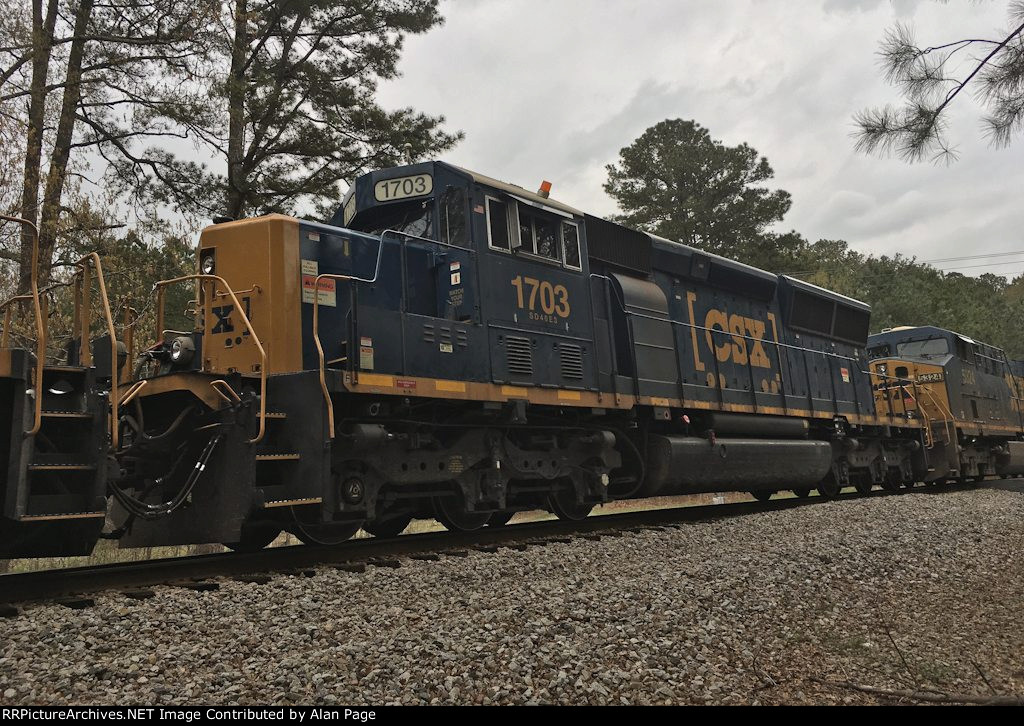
{"type": "Point", "coordinates": [923, 348]}
{"type": "Point", "coordinates": [414, 218]}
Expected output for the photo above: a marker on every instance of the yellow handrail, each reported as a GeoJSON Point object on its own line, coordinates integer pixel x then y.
{"type": "Point", "coordinates": [84, 333]}
{"type": "Point", "coordinates": [130, 393]}
{"type": "Point", "coordinates": [40, 327]}
{"type": "Point", "coordinates": [320, 347]}
{"type": "Point", "coordinates": [159, 287]}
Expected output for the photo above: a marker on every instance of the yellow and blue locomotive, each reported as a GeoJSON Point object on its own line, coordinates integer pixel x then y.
{"type": "Point", "coordinates": [455, 347]}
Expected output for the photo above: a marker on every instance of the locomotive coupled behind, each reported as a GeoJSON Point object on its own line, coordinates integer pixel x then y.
{"type": "Point", "coordinates": [459, 348]}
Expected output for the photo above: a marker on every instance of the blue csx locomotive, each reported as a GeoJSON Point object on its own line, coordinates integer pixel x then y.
{"type": "Point", "coordinates": [455, 347]}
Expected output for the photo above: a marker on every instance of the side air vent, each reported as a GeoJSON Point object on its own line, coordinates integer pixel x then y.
{"type": "Point", "coordinates": [618, 246]}
{"type": "Point", "coordinates": [520, 356]}
{"type": "Point", "coordinates": [571, 357]}
{"type": "Point", "coordinates": [428, 333]}
{"type": "Point", "coordinates": [461, 337]}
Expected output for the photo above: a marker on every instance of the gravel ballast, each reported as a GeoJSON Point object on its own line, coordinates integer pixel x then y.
{"type": "Point", "coordinates": [916, 592]}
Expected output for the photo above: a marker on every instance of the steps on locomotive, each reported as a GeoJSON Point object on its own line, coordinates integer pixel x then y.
{"type": "Point", "coordinates": [289, 461]}
{"type": "Point", "coordinates": [277, 462]}
{"type": "Point", "coordinates": [57, 474]}
{"type": "Point", "coordinates": [52, 499]}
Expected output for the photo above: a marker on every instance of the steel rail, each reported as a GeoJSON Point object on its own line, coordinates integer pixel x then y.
{"type": "Point", "coordinates": [50, 584]}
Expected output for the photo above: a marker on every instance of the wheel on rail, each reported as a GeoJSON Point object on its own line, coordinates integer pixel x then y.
{"type": "Point", "coordinates": [391, 527]}
{"type": "Point", "coordinates": [863, 485]}
{"type": "Point", "coordinates": [802, 492]}
{"type": "Point", "coordinates": [909, 484]}
{"type": "Point", "coordinates": [893, 481]}
{"type": "Point", "coordinates": [327, 535]}
{"type": "Point", "coordinates": [451, 512]}
{"type": "Point", "coordinates": [309, 529]}
{"type": "Point", "coordinates": [829, 488]}
{"type": "Point", "coordinates": [762, 495]}
{"type": "Point", "coordinates": [255, 537]}
{"type": "Point", "coordinates": [563, 505]}
{"type": "Point", "coordinates": [500, 519]}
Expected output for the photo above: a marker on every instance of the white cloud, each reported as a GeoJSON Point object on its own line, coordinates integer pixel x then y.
{"type": "Point", "coordinates": [552, 90]}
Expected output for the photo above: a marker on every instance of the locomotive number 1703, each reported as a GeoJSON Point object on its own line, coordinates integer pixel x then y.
{"type": "Point", "coordinates": [540, 299]}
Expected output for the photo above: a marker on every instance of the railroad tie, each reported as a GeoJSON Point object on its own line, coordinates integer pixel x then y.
{"type": "Point", "coordinates": [350, 567]}
{"type": "Point", "coordinates": [393, 564]}
{"type": "Point", "coordinates": [138, 594]}
{"type": "Point", "coordinates": [75, 603]}
{"type": "Point", "coordinates": [254, 579]}
{"type": "Point", "coordinates": [197, 586]}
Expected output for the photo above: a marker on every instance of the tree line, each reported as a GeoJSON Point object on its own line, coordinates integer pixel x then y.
{"type": "Point", "coordinates": [105, 108]}
{"type": "Point", "coordinates": [678, 182]}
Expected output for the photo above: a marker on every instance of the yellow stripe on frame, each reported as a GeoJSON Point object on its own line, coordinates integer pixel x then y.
{"type": "Point", "coordinates": [375, 379]}
{"type": "Point", "coordinates": [568, 395]}
{"type": "Point", "coordinates": [514, 391]}
{"type": "Point", "coordinates": [450, 386]}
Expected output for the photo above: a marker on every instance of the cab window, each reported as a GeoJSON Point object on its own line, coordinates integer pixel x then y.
{"type": "Point", "coordinates": [923, 348]}
{"type": "Point", "coordinates": [519, 228]}
{"type": "Point", "coordinates": [538, 235]}
{"type": "Point", "coordinates": [497, 225]}
{"type": "Point", "coordinates": [413, 218]}
{"type": "Point", "coordinates": [571, 245]}
{"type": "Point", "coordinates": [453, 217]}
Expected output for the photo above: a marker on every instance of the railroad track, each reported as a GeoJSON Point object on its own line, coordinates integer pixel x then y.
{"type": "Point", "coordinates": [72, 586]}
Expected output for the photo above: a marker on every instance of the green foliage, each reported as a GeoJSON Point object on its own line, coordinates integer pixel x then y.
{"type": "Point", "coordinates": [930, 78]}
{"type": "Point", "coordinates": [677, 182]}
{"type": "Point", "coordinates": [133, 259]}
{"type": "Point", "coordinates": [285, 102]}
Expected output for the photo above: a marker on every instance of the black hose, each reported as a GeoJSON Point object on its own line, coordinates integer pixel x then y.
{"type": "Point", "coordinates": [149, 512]}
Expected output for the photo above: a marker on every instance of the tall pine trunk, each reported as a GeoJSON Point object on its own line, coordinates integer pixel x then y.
{"type": "Point", "coordinates": [57, 175]}
{"type": "Point", "coordinates": [42, 45]}
{"type": "Point", "coordinates": [237, 190]}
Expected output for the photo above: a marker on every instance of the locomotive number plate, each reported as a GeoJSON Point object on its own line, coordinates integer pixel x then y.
{"type": "Point", "coordinates": [404, 187]}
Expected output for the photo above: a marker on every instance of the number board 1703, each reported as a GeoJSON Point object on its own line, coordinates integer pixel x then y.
{"type": "Point", "coordinates": [403, 187]}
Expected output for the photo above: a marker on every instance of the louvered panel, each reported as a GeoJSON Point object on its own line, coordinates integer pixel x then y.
{"type": "Point", "coordinates": [571, 358]}
{"type": "Point", "coordinates": [520, 356]}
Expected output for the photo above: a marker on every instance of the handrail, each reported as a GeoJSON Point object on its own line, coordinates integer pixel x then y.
{"type": "Point", "coordinates": [130, 393]}
{"type": "Point", "coordinates": [84, 332]}
{"type": "Point", "coordinates": [948, 417]}
{"type": "Point", "coordinates": [316, 324]}
{"type": "Point", "coordinates": [40, 327]}
{"type": "Point", "coordinates": [159, 288]}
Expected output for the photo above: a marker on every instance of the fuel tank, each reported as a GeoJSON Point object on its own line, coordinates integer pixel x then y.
{"type": "Point", "coordinates": [687, 464]}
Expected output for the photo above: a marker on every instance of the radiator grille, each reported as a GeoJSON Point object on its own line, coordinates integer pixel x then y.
{"type": "Point", "coordinates": [520, 356]}
{"type": "Point", "coordinates": [571, 357]}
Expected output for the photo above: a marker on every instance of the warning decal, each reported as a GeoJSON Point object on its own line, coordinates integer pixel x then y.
{"type": "Point", "coordinates": [327, 292]}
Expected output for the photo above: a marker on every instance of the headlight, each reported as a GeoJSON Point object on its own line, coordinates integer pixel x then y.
{"type": "Point", "coordinates": [182, 350]}
{"type": "Point", "coordinates": [206, 264]}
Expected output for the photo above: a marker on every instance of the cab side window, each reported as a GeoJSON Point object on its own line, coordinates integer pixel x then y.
{"type": "Point", "coordinates": [453, 217]}
{"type": "Point", "coordinates": [515, 227]}
{"type": "Point", "coordinates": [571, 245]}
{"type": "Point", "coordinates": [497, 225]}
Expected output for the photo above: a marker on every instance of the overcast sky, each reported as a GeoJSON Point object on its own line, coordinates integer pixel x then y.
{"type": "Point", "coordinates": [552, 90]}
